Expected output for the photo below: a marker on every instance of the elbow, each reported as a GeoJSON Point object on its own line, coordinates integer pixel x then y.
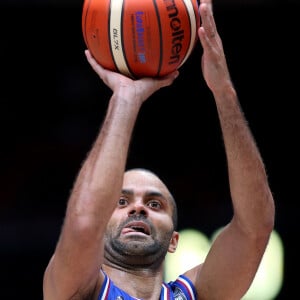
{"type": "Point", "coordinates": [269, 213]}
{"type": "Point", "coordinates": [258, 221]}
{"type": "Point", "coordinates": [265, 222]}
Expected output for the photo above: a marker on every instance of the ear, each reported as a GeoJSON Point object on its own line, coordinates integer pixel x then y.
{"type": "Point", "coordinates": [173, 242]}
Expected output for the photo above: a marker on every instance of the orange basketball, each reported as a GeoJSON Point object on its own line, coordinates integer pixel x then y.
{"type": "Point", "coordinates": [140, 37]}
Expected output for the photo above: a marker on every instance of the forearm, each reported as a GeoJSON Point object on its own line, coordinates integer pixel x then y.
{"type": "Point", "coordinates": [252, 199]}
{"type": "Point", "coordinates": [79, 253]}
{"type": "Point", "coordinates": [99, 182]}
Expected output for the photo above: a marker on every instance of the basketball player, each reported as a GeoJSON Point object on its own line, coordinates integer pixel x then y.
{"type": "Point", "coordinates": [119, 226]}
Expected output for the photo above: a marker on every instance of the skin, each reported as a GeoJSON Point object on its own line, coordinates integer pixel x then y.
{"type": "Point", "coordinates": [105, 199]}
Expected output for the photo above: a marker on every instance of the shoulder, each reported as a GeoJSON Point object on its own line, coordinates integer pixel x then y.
{"type": "Point", "coordinates": [182, 288]}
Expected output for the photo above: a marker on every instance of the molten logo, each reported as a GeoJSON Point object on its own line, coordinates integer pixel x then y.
{"type": "Point", "coordinates": [177, 31]}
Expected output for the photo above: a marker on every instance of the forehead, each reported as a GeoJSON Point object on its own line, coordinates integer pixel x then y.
{"type": "Point", "coordinates": [141, 181]}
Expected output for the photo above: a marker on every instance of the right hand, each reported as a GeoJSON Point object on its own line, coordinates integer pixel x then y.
{"type": "Point", "coordinates": [141, 89]}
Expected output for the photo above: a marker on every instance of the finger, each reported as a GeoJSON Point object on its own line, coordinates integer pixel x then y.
{"type": "Point", "coordinates": [208, 3]}
{"type": "Point", "coordinates": [203, 38]}
{"type": "Point", "coordinates": [93, 62]}
{"type": "Point", "coordinates": [208, 22]}
{"type": "Point", "coordinates": [102, 73]}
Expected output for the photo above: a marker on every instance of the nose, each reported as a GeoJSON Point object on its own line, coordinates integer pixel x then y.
{"type": "Point", "coordinates": [137, 208]}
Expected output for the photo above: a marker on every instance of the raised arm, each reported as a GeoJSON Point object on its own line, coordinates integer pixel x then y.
{"type": "Point", "coordinates": [74, 267]}
{"type": "Point", "coordinates": [235, 255]}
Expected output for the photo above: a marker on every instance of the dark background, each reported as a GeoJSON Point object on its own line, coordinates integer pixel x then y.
{"type": "Point", "coordinates": [52, 106]}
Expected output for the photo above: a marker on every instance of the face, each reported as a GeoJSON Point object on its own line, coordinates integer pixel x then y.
{"type": "Point", "coordinates": [141, 229]}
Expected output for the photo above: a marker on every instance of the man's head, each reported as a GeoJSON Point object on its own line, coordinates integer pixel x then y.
{"type": "Point", "coordinates": [142, 228]}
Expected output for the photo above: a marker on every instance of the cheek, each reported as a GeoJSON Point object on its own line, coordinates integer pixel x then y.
{"type": "Point", "coordinates": [164, 224]}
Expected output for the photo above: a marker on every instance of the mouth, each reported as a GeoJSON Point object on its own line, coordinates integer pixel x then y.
{"type": "Point", "coordinates": [136, 227]}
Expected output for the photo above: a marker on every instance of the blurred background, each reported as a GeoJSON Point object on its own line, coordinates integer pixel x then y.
{"type": "Point", "coordinates": [52, 106]}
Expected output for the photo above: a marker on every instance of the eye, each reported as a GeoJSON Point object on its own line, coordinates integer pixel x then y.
{"type": "Point", "coordinates": [154, 204]}
{"type": "Point", "coordinates": [122, 202]}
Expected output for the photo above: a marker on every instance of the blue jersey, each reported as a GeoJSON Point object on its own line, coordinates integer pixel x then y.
{"type": "Point", "coordinates": [180, 289]}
